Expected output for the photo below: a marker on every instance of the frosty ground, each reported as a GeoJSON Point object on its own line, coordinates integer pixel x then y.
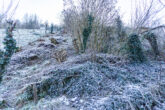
{"type": "Point", "coordinates": [23, 36]}
{"type": "Point", "coordinates": [35, 80]}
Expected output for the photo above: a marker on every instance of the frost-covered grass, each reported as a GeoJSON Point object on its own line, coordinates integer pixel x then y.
{"type": "Point", "coordinates": [80, 83]}
{"type": "Point", "coordinates": [23, 36]}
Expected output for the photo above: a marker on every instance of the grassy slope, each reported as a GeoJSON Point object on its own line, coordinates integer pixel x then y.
{"type": "Point", "coordinates": [126, 83]}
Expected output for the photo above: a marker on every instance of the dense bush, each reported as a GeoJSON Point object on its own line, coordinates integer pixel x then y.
{"type": "Point", "coordinates": [134, 48]}
{"type": "Point", "coordinates": [10, 47]}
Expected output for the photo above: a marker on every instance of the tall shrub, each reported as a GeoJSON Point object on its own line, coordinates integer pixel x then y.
{"type": "Point", "coordinates": [9, 49]}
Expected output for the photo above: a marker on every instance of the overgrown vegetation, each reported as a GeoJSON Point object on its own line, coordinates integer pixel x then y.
{"type": "Point", "coordinates": [135, 52]}
{"type": "Point", "coordinates": [90, 23]}
{"type": "Point", "coordinates": [107, 33]}
{"type": "Point", "coordinates": [87, 31]}
{"type": "Point", "coordinates": [10, 47]}
{"type": "Point", "coordinates": [108, 71]}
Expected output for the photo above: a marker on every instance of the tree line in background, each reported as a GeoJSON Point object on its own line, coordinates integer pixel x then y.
{"type": "Point", "coordinates": [30, 21]}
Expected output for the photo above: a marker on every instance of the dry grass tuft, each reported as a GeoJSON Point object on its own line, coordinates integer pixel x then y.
{"type": "Point", "coordinates": [61, 55]}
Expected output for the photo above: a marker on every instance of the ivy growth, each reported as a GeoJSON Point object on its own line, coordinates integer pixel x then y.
{"type": "Point", "coordinates": [135, 52]}
{"type": "Point", "coordinates": [87, 31]}
{"type": "Point", "coordinates": [9, 49]}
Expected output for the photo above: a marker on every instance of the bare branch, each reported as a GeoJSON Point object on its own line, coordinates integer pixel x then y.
{"type": "Point", "coordinates": [10, 9]}
{"type": "Point", "coordinates": [4, 14]}
{"type": "Point", "coordinates": [162, 3]}
{"type": "Point", "coordinates": [155, 28]}
{"type": "Point", "coordinates": [146, 14]}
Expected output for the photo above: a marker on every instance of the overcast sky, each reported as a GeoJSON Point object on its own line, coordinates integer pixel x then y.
{"type": "Point", "coordinates": [46, 9]}
{"type": "Point", "coordinates": [51, 9]}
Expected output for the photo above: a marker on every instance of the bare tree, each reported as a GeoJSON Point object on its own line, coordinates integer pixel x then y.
{"type": "Point", "coordinates": [9, 11]}
{"type": "Point", "coordinates": [4, 13]}
{"type": "Point", "coordinates": [31, 21]}
{"type": "Point", "coordinates": [146, 13]}
{"type": "Point", "coordinates": [163, 3]}
{"type": "Point", "coordinates": [76, 20]}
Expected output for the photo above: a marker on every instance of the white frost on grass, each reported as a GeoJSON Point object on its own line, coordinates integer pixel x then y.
{"type": "Point", "coordinates": [122, 83]}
